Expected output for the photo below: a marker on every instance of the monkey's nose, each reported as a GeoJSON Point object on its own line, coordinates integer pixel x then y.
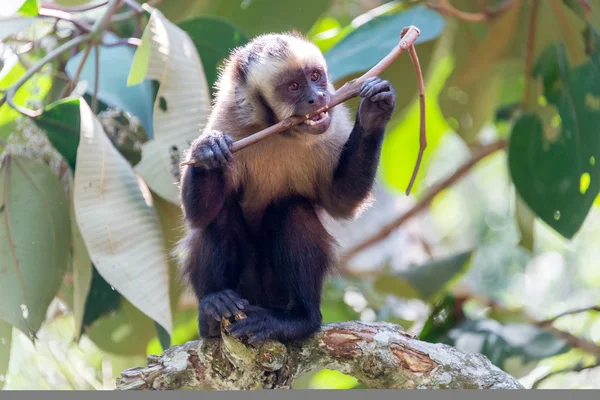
{"type": "Point", "coordinates": [320, 97]}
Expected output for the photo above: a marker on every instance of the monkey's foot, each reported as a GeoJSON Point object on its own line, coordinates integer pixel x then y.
{"type": "Point", "coordinates": [223, 304]}
{"type": "Point", "coordinates": [257, 326]}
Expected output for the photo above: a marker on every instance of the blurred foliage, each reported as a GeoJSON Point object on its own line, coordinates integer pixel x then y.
{"type": "Point", "coordinates": [511, 244]}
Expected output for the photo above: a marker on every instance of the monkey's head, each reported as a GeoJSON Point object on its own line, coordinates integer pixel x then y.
{"type": "Point", "coordinates": [283, 75]}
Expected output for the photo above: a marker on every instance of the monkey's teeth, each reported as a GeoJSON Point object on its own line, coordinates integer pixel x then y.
{"type": "Point", "coordinates": [322, 117]}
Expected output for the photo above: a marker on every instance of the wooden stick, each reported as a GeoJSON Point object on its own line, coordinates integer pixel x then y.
{"type": "Point", "coordinates": [349, 90]}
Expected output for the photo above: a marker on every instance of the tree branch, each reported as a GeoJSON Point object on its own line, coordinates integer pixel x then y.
{"type": "Point", "coordinates": [446, 8]}
{"type": "Point", "coordinates": [570, 312]}
{"type": "Point", "coordinates": [379, 355]}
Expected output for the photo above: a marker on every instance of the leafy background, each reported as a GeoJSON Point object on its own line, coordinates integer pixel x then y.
{"type": "Point", "coordinates": [89, 210]}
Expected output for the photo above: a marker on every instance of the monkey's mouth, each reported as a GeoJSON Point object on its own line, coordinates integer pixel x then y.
{"type": "Point", "coordinates": [317, 124]}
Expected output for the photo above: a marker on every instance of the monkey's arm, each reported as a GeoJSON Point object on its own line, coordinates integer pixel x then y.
{"type": "Point", "coordinates": [204, 188]}
{"type": "Point", "coordinates": [355, 173]}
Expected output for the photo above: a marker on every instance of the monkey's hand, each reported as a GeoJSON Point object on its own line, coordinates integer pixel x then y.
{"type": "Point", "coordinates": [212, 150]}
{"type": "Point", "coordinates": [223, 304]}
{"type": "Point", "coordinates": [377, 105]}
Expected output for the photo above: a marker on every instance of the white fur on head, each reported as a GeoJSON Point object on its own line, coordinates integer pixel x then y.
{"type": "Point", "coordinates": [264, 71]}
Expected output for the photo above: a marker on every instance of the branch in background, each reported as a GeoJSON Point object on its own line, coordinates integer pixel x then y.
{"type": "Point", "coordinates": [576, 368]}
{"type": "Point", "coordinates": [533, 10]}
{"type": "Point", "coordinates": [73, 82]}
{"type": "Point", "coordinates": [446, 8]}
{"type": "Point", "coordinates": [425, 201]}
{"type": "Point", "coordinates": [379, 355]}
{"type": "Point", "coordinates": [96, 79]}
{"type": "Point", "coordinates": [571, 312]}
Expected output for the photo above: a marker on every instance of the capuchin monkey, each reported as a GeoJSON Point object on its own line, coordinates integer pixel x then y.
{"type": "Point", "coordinates": [255, 241]}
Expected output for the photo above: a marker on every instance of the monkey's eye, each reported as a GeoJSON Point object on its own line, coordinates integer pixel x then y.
{"type": "Point", "coordinates": [315, 76]}
{"type": "Point", "coordinates": [294, 86]}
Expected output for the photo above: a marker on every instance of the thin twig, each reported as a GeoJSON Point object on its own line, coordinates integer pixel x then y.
{"type": "Point", "coordinates": [576, 368]}
{"type": "Point", "coordinates": [72, 82]}
{"type": "Point", "coordinates": [570, 312]}
{"type": "Point", "coordinates": [533, 10]}
{"type": "Point", "coordinates": [10, 94]}
{"type": "Point", "coordinates": [446, 8]}
{"type": "Point", "coordinates": [127, 41]}
{"type": "Point", "coordinates": [65, 16]}
{"type": "Point", "coordinates": [349, 90]}
{"type": "Point", "coordinates": [96, 79]}
{"type": "Point", "coordinates": [422, 122]}
{"type": "Point", "coordinates": [133, 13]}
{"type": "Point", "coordinates": [74, 9]}
{"type": "Point", "coordinates": [425, 201]}
{"type": "Point", "coordinates": [93, 35]}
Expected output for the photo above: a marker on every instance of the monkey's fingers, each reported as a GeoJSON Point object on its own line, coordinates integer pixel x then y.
{"type": "Point", "coordinates": [378, 87]}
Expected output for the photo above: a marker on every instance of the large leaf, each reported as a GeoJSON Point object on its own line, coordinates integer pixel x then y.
{"type": "Point", "coordinates": [5, 342]}
{"type": "Point", "coordinates": [555, 168]}
{"type": "Point", "coordinates": [425, 281]}
{"type": "Point", "coordinates": [34, 241]}
{"type": "Point", "coordinates": [214, 39]}
{"type": "Point", "coordinates": [60, 121]}
{"type": "Point", "coordinates": [367, 45]}
{"type": "Point", "coordinates": [182, 102]}
{"type": "Point", "coordinates": [120, 230]}
{"type": "Point", "coordinates": [113, 70]}
{"type": "Point", "coordinates": [514, 347]}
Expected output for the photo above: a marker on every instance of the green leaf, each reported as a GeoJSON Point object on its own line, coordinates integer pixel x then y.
{"type": "Point", "coordinates": [60, 120]}
{"type": "Point", "coordinates": [426, 281]}
{"type": "Point", "coordinates": [178, 119]}
{"type": "Point", "coordinates": [5, 342]}
{"type": "Point", "coordinates": [115, 63]}
{"type": "Point", "coordinates": [34, 241]}
{"type": "Point", "coordinates": [120, 230]}
{"type": "Point", "coordinates": [102, 299]}
{"type": "Point", "coordinates": [506, 345]}
{"type": "Point", "coordinates": [214, 39]}
{"type": "Point", "coordinates": [29, 8]}
{"type": "Point", "coordinates": [555, 168]}
{"type": "Point", "coordinates": [368, 44]}
{"type": "Point", "coordinates": [446, 314]}
{"type": "Point", "coordinates": [125, 332]}
{"type": "Point", "coordinates": [141, 59]}
{"type": "Point", "coordinates": [163, 336]}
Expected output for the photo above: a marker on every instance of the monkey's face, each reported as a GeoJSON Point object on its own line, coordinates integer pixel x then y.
{"type": "Point", "coordinates": [304, 91]}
